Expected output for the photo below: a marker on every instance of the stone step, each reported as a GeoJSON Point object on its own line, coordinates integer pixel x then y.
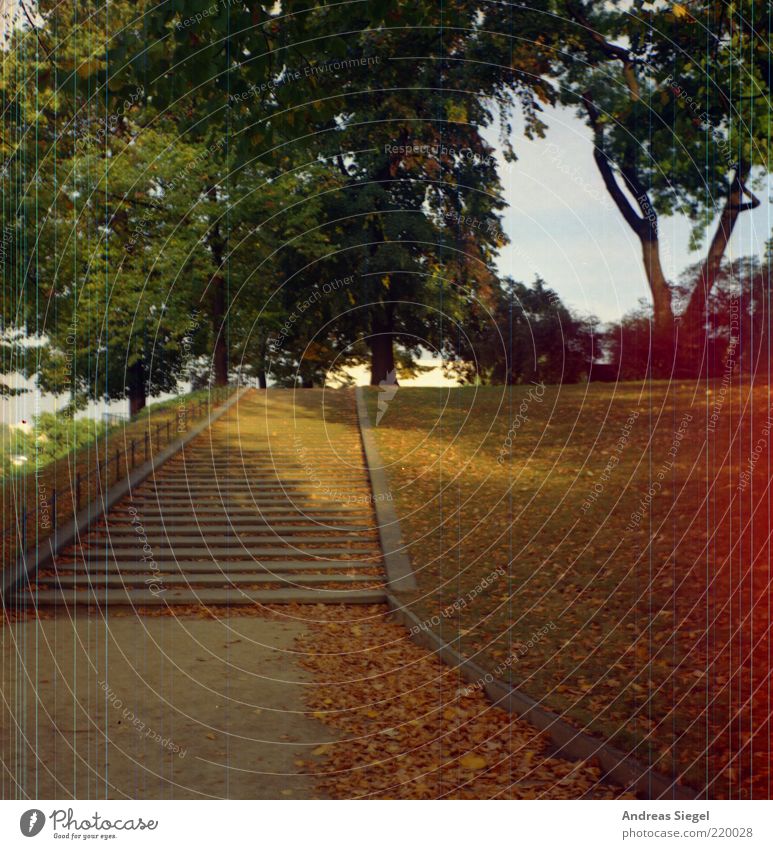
{"type": "Point", "coordinates": [205, 579]}
{"type": "Point", "coordinates": [182, 567]}
{"type": "Point", "coordinates": [271, 512]}
{"type": "Point", "coordinates": [250, 473]}
{"type": "Point", "coordinates": [241, 515]}
{"type": "Point", "coordinates": [230, 503]}
{"type": "Point", "coordinates": [268, 460]}
{"type": "Point", "coordinates": [216, 489]}
{"type": "Point", "coordinates": [251, 525]}
{"type": "Point", "coordinates": [129, 539]}
{"type": "Point", "coordinates": [260, 520]}
{"type": "Point", "coordinates": [206, 597]}
{"type": "Point", "coordinates": [205, 451]}
{"type": "Point", "coordinates": [172, 539]}
{"type": "Point", "coordinates": [232, 552]}
{"type": "Point", "coordinates": [258, 494]}
{"type": "Point", "coordinates": [163, 529]}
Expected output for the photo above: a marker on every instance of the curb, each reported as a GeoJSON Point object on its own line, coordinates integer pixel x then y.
{"type": "Point", "coordinates": [400, 577]}
{"type": "Point", "coordinates": [40, 558]}
{"type": "Point", "coordinates": [570, 743]}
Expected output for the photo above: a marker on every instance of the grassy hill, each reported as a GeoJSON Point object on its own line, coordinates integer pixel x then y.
{"type": "Point", "coordinates": [604, 548]}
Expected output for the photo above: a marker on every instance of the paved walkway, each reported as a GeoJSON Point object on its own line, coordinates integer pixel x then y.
{"type": "Point", "coordinates": [155, 708]}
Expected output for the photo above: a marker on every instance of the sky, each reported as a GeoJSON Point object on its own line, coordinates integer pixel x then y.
{"type": "Point", "coordinates": [562, 226]}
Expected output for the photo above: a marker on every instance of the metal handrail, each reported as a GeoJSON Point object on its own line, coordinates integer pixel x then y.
{"type": "Point", "coordinates": [100, 475]}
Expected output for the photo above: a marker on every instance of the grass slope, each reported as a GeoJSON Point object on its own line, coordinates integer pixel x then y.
{"type": "Point", "coordinates": [630, 527]}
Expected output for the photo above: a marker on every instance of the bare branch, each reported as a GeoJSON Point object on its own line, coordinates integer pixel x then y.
{"type": "Point", "coordinates": [613, 51]}
{"type": "Point", "coordinates": [605, 168]}
{"type": "Point", "coordinates": [35, 30]}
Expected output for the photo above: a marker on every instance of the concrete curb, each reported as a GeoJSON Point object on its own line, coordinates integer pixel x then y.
{"type": "Point", "coordinates": [38, 557]}
{"type": "Point", "coordinates": [400, 577]}
{"type": "Point", "coordinates": [570, 743]}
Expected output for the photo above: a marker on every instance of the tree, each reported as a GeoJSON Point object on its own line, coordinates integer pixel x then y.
{"type": "Point", "coordinates": [114, 302]}
{"type": "Point", "coordinates": [419, 208]}
{"type": "Point", "coordinates": [151, 224]}
{"type": "Point", "coordinates": [676, 97]}
{"type": "Point", "coordinates": [93, 207]}
{"type": "Point", "coordinates": [277, 256]}
{"type": "Point", "coordinates": [529, 335]}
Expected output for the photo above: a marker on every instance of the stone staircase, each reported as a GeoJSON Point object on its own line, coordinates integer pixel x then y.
{"type": "Point", "coordinates": [272, 504]}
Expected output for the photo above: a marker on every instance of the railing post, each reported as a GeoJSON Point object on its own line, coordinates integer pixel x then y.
{"type": "Point", "coordinates": [117, 463]}
{"type": "Point", "coordinates": [133, 458]}
{"type": "Point", "coordinates": [77, 491]}
{"type": "Point", "coordinates": [167, 431]}
{"type": "Point", "coordinates": [147, 441]}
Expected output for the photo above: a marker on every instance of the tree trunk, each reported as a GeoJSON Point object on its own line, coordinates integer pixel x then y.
{"type": "Point", "coordinates": [219, 329]}
{"type": "Point", "coordinates": [688, 360]}
{"type": "Point", "coordinates": [662, 309]}
{"type": "Point", "coordinates": [662, 336]}
{"type": "Point", "coordinates": [645, 224]}
{"type": "Point", "coordinates": [217, 247]}
{"type": "Point", "coordinates": [692, 322]}
{"type": "Point", "coordinates": [135, 378]}
{"type": "Point", "coordinates": [262, 379]}
{"type": "Point", "coordinates": [307, 382]}
{"type": "Point", "coordinates": [382, 356]}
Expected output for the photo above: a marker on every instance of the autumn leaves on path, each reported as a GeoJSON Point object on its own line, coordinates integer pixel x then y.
{"type": "Point", "coordinates": [408, 727]}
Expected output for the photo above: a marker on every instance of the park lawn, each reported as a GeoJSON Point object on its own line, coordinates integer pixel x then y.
{"type": "Point", "coordinates": [643, 623]}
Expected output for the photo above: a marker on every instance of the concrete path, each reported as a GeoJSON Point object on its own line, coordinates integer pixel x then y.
{"type": "Point", "coordinates": [138, 682]}
{"type": "Point", "coordinates": [155, 708]}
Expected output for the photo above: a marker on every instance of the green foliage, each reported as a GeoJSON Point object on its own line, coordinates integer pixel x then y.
{"type": "Point", "coordinates": [683, 92]}
{"type": "Point", "coordinates": [46, 439]}
{"type": "Point", "coordinates": [529, 335]}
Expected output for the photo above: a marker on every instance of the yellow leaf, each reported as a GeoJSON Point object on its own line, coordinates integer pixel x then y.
{"type": "Point", "coordinates": [472, 761]}
{"type": "Point", "coordinates": [457, 112]}
{"type": "Point", "coordinates": [321, 750]}
{"type": "Point", "coordinates": [682, 12]}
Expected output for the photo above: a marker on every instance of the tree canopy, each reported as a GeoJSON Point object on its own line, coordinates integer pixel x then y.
{"type": "Point", "coordinates": [186, 185]}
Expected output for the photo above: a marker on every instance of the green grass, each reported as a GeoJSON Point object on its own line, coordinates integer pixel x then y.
{"type": "Point", "coordinates": [649, 632]}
